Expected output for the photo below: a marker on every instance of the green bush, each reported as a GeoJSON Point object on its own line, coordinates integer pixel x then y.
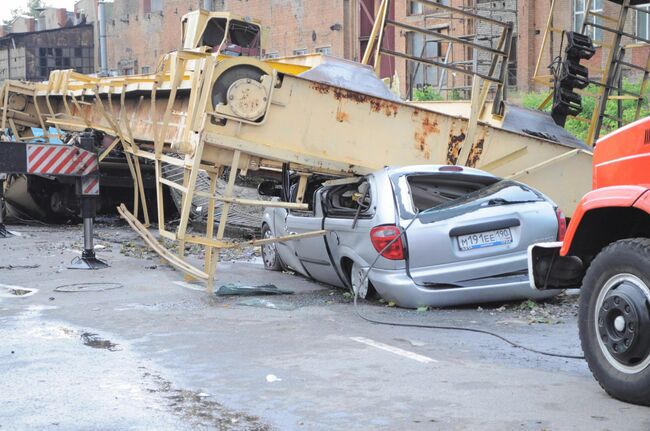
{"type": "Point", "coordinates": [426, 94]}
{"type": "Point", "coordinates": [429, 93]}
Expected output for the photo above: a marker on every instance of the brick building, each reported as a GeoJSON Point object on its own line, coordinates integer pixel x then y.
{"type": "Point", "coordinates": [30, 48]}
{"type": "Point", "coordinates": [140, 31]}
{"type": "Point", "coordinates": [31, 56]}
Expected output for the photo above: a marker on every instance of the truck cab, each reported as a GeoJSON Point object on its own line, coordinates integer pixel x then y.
{"type": "Point", "coordinates": [222, 32]}
{"type": "Point", "coordinates": [606, 253]}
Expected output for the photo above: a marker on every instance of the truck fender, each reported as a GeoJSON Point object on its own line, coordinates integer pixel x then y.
{"type": "Point", "coordinates": [607, 197]}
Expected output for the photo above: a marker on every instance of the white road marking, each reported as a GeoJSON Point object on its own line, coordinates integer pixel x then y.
{"type": "Point", "coordinates": [395, 350]}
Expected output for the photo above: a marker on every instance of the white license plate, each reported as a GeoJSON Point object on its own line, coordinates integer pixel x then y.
{"type": "Point", "coordinates": [490, 238]}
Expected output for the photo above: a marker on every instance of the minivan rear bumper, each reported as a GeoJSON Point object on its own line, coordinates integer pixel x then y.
{"type": "Point", "coordinates": [397, 286]}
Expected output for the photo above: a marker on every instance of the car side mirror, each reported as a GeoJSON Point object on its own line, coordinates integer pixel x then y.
{"type": "Point", "coordinates": [269, 188]}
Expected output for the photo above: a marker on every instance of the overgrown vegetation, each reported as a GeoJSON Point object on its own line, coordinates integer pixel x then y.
{"type": "Point", "coordinates": [429, 93]}
{"type": "Point", "coordinates": [580, 128]}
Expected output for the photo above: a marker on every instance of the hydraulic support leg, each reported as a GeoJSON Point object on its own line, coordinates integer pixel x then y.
{"type": "Point", "coordinates": [88, 190]}
{"type": "Point", "coordinates": [88, 259]}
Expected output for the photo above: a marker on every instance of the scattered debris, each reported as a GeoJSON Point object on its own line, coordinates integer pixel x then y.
{"type": "Point", "coordinates": [19, 266]}
{"type": "Point", "coordinates": [199, 410]}
{"type": "Point", "coordinates": [552, 311]}
{"type": "Point", "coordinates": [238, 289]}
{"type": "Point", "coordinates": [131, 249]}
{"type": "Point", "coordinates": [9, 291]}
{"type": "Point", "coordinates": [272, 378]}
{"type": "Point", "coordinates": [264, 303]}
{"type": "Point", "coordinates": [94, 341]}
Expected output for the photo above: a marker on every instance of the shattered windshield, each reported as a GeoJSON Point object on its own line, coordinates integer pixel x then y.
{"type": "Point", "coordinates": [504, 192]}
{"type": "Point", "coordinates": [434, 197]}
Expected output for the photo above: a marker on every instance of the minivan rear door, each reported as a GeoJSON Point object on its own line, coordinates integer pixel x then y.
{"type": "Point", "coordinates": [469, 228]}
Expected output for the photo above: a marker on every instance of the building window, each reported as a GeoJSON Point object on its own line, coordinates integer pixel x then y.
{"type": "Point", "coordinates": [420, 74]}
{"type": "Point", "coordinates": [643, 22]}
{"type": "Point", "coordinates": [78, 58]}
{"type": "Point", "coordinates": [512, 64]}
{"type": "Point", "coordinates": [144, 70]}
{"type": "Point", "coordinates": [300, 51]}
{"type": "Point", "coordinates": [417, 8]}
{"type": "Point", "coordinates": [272, 54]}
{"type": "Point", "coordinates": [579, 16]}
{"type": "Point", "coordinates": [325, 50]}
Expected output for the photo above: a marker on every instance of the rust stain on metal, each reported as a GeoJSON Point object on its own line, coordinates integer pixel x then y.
{"type": "Point", "coordinates": [429, 126]}
{"type": "Point", "coordinates": [475, 153]}
{"type": "Point", "coordinates": [455, 145]}
{"type": "Point", "coordinates": [321, 88]}
{"type": "Point", "coordinates": [342, 116]}
{"type": "Point", "coordinates": [389, 108]}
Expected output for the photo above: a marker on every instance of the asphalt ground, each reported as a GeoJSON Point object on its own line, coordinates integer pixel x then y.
{"type": "Point", "coordinates": [151, 352]}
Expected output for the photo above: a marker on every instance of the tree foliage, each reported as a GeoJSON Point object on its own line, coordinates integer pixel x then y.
{"type": "Point", "coordinates": [31, 8]}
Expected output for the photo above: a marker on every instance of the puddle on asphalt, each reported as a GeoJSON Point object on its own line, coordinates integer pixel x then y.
{"type": "Point", "coordinates": [96, 342]}
{"type": "Point", "coordinates": [200, 410]}
{"type": "Point", "coordinates": [8, 291]}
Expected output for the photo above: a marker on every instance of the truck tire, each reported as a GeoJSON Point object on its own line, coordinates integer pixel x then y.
{"type": "Point", "coordinates": [614, 319]}
{"type": "Point", "coordinates": [270, 254]}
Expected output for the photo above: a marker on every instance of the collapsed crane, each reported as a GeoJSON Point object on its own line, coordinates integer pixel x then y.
{"type": "Point", "coordinates": [213, 105]}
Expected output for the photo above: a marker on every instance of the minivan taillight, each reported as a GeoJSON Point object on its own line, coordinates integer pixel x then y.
{"type": "Point", "coordinates": [381, 236]}
{"type": "Point", "coordinates": [561, 224]}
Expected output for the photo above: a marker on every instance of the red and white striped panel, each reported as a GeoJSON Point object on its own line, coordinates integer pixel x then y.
{"type": "Point", "coordinates": [48, 159]}
{"type": "Point", "coordinates": [90, 185]}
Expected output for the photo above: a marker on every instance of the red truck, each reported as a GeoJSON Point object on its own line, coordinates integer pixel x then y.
{"type": "Point", "coordinates": [606, 253]}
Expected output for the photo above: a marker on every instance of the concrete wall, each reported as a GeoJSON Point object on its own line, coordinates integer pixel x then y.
{"type": "Point", "coordinates": [23, 24]}
{"type": "Point", "coordinates": [52, 18]}
{"type": "Point", "coordinates": [12, 62]}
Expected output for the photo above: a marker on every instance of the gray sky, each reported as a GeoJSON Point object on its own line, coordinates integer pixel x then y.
{"type": "Point", "coordinates": [6, 6]}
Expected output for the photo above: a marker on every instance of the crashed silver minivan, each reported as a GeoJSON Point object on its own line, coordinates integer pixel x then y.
{"type": "Point", "coordinates": [466, 239]}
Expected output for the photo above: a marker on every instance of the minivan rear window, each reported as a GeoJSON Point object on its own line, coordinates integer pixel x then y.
{"type": "Point", "coordinates": [435, 197]}
{"type": "Point", "coordinates": [503, 192]}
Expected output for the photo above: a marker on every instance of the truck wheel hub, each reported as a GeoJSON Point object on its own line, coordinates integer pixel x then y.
{"type": "Point", "coordinates": [623, 321]}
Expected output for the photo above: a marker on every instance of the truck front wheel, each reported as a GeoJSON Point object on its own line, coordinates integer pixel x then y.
{"type": "Point", "coordinates": [614, 319]}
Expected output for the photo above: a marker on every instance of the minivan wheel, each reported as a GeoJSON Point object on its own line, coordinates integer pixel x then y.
{"type": "Point", "coordinates": [357, 276]}
{"type": "Point", "coordinates": [270, 251]}
{"type": "Point", "coordinates": [614, 319]}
